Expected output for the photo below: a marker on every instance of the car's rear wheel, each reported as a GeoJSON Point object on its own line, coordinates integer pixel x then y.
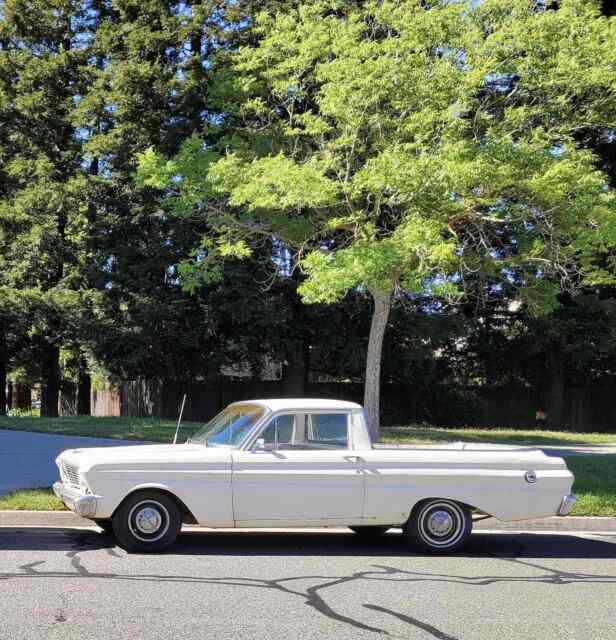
{"type": "Point", "coordinates": [439, 526]}
{"type": "Point", "coordinates": [147, 521]}
{"type": "Point", "coordinates": [370, 531]}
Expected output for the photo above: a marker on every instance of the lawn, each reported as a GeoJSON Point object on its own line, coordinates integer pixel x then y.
{"type": "Point", "coordinates": [420, 434]}
{"type": "Point", "coordinates": [595, 485]}
{"type": "Point", "coordinates": [151, 429]}
{"type": "Point", "coordinates": [160, 430]}
{"type": "Point", "coordinates": [31, 500]}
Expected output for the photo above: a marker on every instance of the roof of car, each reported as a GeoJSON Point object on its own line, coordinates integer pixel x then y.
{"type": "Point", "coordinates": [277, 404]}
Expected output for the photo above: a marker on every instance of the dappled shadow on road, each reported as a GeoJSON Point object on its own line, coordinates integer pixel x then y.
{"type": "Point", "coordinates": [376, 566]}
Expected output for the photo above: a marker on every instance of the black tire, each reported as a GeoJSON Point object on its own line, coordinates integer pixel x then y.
{"type": "Point", "coordinates": [439, 526]}
{"type": "Point", "coordinates": [106, 526]}
{"type": "Point", "coordinates": [370, 531]}
{"type": "Point", "coordinates": [142, 511]}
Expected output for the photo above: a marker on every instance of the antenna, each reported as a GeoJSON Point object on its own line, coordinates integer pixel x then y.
{"type": "Point", "coordinates": [177, 429]}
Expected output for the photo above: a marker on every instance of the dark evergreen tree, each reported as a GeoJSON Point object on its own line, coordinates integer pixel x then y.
{"type": "Point", "coordinates": [41, 176]}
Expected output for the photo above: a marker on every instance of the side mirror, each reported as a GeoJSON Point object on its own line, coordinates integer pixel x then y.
{"type": "Point", "coordinates": [261, 445]}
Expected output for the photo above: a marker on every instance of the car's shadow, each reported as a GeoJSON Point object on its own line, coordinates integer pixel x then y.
{"type": "Point", "coordinates": [302, 543]}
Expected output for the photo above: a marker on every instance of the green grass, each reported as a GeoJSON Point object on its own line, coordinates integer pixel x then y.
{"type": "Point", "coordinates": [159, 430]}
{"type": "Point", "coordinates": [151, 429]}
{"type": "Point", "coordinates": [595, 485]}
{"type": "Point", "coordinates": [419, 434]}
{"type": "Point", "coordinates": [31, 500]}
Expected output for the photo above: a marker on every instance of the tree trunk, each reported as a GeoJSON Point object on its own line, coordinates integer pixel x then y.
{"type": "Point", "coordinates": [50, 389]}
{"type": "Point", "coordinates": [22, 397]}
{"type": "Point", "coordinates": [3, 402]}
{"type": "Point", "coordinates": [294, 373]}
{"type": "Point", "coordinates": [372, 389]}
{"type": "Point", "coordinates": [84, 388]}
{"type": "Point", "coordinates": [555, 392]}
{"type": "Point", "coordinates": [9, 396]}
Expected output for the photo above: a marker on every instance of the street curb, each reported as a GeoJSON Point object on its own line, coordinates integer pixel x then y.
{"type": "Point", "coordinates": [580, 524]}
{"type": "Point", "coordinates": [42, 519]}
{"type": "Point", "coordinates": [555, 523]}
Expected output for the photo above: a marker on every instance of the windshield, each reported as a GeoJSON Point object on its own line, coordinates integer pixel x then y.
{"type": "Point", "coordinates": [230, 426]}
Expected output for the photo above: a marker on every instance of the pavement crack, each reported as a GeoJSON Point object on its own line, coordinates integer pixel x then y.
{"type": "Point", "coordinates": [29, 568]}
{"type": "Point", "coordinates": [424, 626]}
{"type": "Point", "coordinates": [59, 616]}
{"type": "Point", "coordinates": [76, 563]}
{"type": "Point", "coordinates": [528, 572]}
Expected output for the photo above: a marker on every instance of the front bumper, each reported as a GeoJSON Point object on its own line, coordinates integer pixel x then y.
{"type": "Point", "coordinates": [566, 505]}
{"type": "Point", "coordinates": [82, 505]}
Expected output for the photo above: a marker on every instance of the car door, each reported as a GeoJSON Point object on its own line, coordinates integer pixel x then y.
{"type": "Point", "coordinates": [301, 469]}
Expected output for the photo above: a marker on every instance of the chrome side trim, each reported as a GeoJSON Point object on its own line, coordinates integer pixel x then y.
{"type": "Point", "coordinates": [566, 505]}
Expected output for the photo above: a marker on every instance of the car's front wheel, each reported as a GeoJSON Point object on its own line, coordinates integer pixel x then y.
{"type": "Point", "coordinates": [439, 526]}
{"type": "Point", "coordinates": [147, 521]}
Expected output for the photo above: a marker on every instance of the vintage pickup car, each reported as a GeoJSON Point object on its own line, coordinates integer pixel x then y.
{"type": "Point", "coordinates": [302, 462]}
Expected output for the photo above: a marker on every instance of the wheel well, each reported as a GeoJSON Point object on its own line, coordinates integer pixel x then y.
{"type": "Point", "coordinates": [418, 504]}
{"type": "Point", "coordinates": [185, 512]}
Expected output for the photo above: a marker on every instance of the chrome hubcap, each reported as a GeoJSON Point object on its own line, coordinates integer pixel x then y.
{"type": "Point", "coordinates": [148, 520]}
{"type": "Point", "coordinates": [440, 523]}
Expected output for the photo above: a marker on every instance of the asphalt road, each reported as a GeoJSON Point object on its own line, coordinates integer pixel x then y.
{"type": "Point", "coordinates": [75, 584]}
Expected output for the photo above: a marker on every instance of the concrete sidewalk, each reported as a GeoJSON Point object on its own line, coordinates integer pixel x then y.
{"type": "Point", "coordinates": [67, 519]}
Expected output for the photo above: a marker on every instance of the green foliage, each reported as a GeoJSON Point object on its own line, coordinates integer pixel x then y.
{"type": "Point", "coordinates": [441, 152]}
{"type": "Point", "coordinates": [42, 214]}
{"type": "Point", "coordinates": [405, 144]}
{"type": "Point", "coordinates": [33, 412]}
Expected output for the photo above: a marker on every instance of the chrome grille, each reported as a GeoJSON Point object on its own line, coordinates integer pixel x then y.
{"type": "Point", "coordinates": [70, 474]}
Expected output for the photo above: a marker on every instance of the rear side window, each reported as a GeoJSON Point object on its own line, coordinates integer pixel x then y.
{"type": "Point", "coordinates": [328, 430]}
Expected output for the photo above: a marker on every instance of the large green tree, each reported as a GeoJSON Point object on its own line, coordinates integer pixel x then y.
{"type": "Point", "coordinates": [147, 60]}
{"type": "Point", "coordinates": [41, 179]}
{"type": "Point", "coordinates": [404, 145]}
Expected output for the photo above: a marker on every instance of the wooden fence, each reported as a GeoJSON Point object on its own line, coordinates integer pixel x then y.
{"type": "Point", "coordinates": [586, 409]}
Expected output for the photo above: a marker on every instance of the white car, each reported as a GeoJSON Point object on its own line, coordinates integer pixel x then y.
{"type": "Point", "coordinates": [302, 462]}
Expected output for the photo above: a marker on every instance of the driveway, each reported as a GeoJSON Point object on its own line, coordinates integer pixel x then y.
{"type": "Point", "coordinates": [27, 459]}
{"type": "Point", "coordinates": [264, 585]}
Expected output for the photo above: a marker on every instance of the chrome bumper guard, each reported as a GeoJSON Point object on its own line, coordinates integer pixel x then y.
{"type": "Point", "coordinates": [84, 506]}
{"type": "Point", "coordinates": [566, 505]}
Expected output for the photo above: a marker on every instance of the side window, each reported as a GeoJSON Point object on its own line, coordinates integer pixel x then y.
{"type": "Point", "coordinates": [328, 430]}
{"type": "Point", "coordinates": [279, 431]}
